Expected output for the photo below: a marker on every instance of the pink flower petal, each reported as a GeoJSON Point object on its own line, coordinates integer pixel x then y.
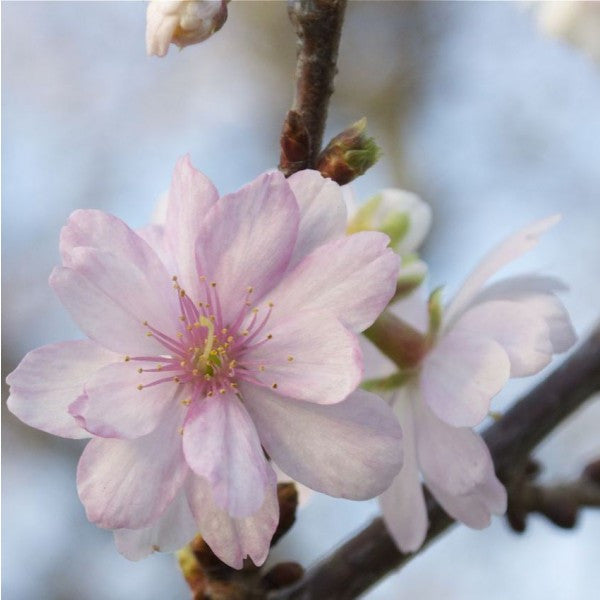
{"type": "Point", "coordinates": [539, 295]}
{"type": "Point", "coordinates": [453, 459]}
{"type": "Point", "coordinates": [311, 356]}
{"type": "Point", "coordinates": [145, 295]}
{"type": "Point", "coordinates": [461, 375]}
{"type": "Point", "coordinates": [191, 197]}
{"type": "Point", "coordinates": [221, 444]}
{"type": "Point", "coordinates": [113, 406]}
{"type": "Point", "coordinates": [322, 212]}
{"type": "Point", "coordinates": [351, 449]}
{"type": "Point", "coordinates": [104, 232]}
{"type": "Point", "coordinates": [49, 379]}
{"type": "Point", "coordinates": [247, 239]}
{"type": "Point", "coordinates": [403, 504]}
{"type": "Point", "coordinates": [171, 531]}
{"type": "Point", "coordinates": [232, 540]}
{"type": "Point", "coordinates": [521, 331]}
{"type": "Point", "coordinates": [154, 236]}
{"type": "Point", "coordinates": [510, 249]}
{"type": "Point", "coordinates": [354, 277]}
{"type": "Point", "coordinates": [101, 317]}
{"type": "Point", "coordinates": [128, 484]}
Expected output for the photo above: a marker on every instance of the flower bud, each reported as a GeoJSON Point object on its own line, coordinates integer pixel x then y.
{"type": "Point", "coordinates": [182, 23]}
{"type": "Point", "coordinates": [402, 215]}
{"type": "Point", "coordinates": [348, 154]}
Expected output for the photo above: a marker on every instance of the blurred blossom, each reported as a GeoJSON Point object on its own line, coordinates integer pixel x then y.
{"type": "Point", "coordinates": [487, 335]}
{"type": "Point", "coordinates": [186, 378]}
{"type": "Point", "coordinates": [406, 219]}
{"type": "Point", "coordinates": [576, 22]}
{"type": "Point", "coordinates": [182, 23]}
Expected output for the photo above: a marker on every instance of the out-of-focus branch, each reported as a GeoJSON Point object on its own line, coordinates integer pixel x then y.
{"type": "Point", "coordinates": [318, 24]}
{"type": "Point", "coordinates": [560, 503]}
{"type": "Point", "coordinates": [371, 554]}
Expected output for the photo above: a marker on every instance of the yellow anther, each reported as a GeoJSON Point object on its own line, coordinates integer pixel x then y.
{"type": "Point", "coordinates": [213, 284]}
{"type": "Point", "coordinates": [195, 372]}
{"type": "Point", "coordinates": [182, 363]}
{"type": "Point", "coordinates": [148, 334]}
{"type": "Point", "coordinates": [174, 278]}
{"type": "Point", "coordinates": [179, 334]}
{"type": "Point", "coordinates": [224, 330]}
{"type": "Point", "coordinates": [261, 367]}
{"type": "Point", "coordinates": [249, 289]}
{"type": "Point", "coordinates": [230, 339]}
{"type": "Point", "coordinates": [180, 430]}
{"type": "Point", "coordinates": [189, 327]}
{"type": "Point", "coordinates": [274, 386]}
{"type": "Point", "coordinates": [222, 391]}
{"type": "Point", "coordinates": [255, 311]}
{"type": "Point", "coordinates": [248, 303]}
{"type": "Point", "coordinates": [290, 358]}
{"type": "Point", "coordinates": [271, 305]}
{"type": "Point", "coordinates": [202, 277]}
{"type": "Point", "coordinates": [145, 323]}
{"type": "Point", "coordinates": [182, 317]}
{"type": "Point", "coordinates": [209, 393]}
{"type": "Point", "coordinates": [233, 364]}
{"type": "Point", "coordinates": [140, 370]}
{"type": "Point", "coordinates": [159, 367]}
{"type": "Point", "coordinates": [270, 336]}
{"type": "Point", "coordinates": [186, 402]}
{"type": "Point", "coordinates": [200, 304]}
{"type": "Point", "coordinates": [182, 293]}
{"type": "Point", "coordinates": [140, 387]}
{"type": "Point", "coordinates": [245, 332]}
{"type": "Point", "coordinates": [213, 353]}
{"type": "Point", "coordinates": [207, 377]}
{"type": "Point", "coordinates": [176, 379]}
{"type": "Point", "coordinates": [127, 358]}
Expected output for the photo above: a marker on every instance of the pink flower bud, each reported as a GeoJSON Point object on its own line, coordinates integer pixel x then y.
{"type": "Point", "coordinates": [182, 23]}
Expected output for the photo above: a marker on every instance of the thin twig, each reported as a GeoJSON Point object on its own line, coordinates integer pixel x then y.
{"type": "Point", "coordinates": [371, 554]}
{"type": "Point", "coordinates": [318, 24]}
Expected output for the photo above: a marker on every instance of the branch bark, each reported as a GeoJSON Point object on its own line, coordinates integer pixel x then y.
{"type": "Point", "coordinates": [371, 554]}
{"type": "Point", "coordinates": [318, 24]}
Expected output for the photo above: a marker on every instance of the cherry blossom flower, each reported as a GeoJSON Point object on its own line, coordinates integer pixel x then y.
{"type": "Point", "coordinates": [224, 333]}
{"type": "Point", "coordinates": [488, 334]}
{"type": "Point", "coordinates": [182, 22]}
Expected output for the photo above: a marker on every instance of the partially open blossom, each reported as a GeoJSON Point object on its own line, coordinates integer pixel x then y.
{"type": "Point", "coordinates": [487, 334]}
{"type": "Point", "coordinates": [223, 335]}
{"type": "Point", "coordinates": [406, 219]}
{"type": "Point", "coordinates": [182, 22]}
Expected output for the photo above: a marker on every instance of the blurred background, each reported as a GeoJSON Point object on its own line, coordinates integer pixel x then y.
{"type": "Point", "coordinates": [490, 121]}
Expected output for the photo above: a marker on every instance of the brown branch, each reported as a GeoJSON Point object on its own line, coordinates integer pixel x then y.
{"type": "Point", "coordinates": [371, 554]}
{"type": "Point", "coordinates": [318, 24]}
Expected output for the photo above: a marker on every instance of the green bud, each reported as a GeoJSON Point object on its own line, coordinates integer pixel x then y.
{"type": "Point", "coordinates": [435, 309]}
{"type": "Point", "coordinates": [349, 154]}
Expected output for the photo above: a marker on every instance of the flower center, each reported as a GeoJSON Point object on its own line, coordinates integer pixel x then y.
{"type": "Point", "coordinates": [206, 352]}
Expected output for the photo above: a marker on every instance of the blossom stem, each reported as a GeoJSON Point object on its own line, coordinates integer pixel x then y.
{"type": "Point", "coordinates": [372, 554]}
{"type": "Point", "coordinates": [318, 24]}
{"type": "Point", "coordinates": [397, 340]}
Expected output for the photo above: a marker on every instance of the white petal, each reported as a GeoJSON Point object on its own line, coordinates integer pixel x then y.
{"type": "Point", "coordinates": [403, 503]}
{"type": "Point", "coordinates": [351, 449]}
{"type": "Point", "coordinates": [507, 251]}
{"type": "Point", "coordinates": [49, 379]}
{"type": "Point", "coordinates": [461, 375]}
{"type": "Point", "coordinates": [539, 294]}
{"type": "Point", "coordinates": [221, 444]}
{"type": "Point", "coordinates": [520, 330]}
{"type": "Point", "coordinates": [453, 459]}
{"type": "Point", "coordinates": [231, 539]}
{"type": "Point", "coordinates": [322, 212]}
{"type": "Point", "coordinates": [171, 531]}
